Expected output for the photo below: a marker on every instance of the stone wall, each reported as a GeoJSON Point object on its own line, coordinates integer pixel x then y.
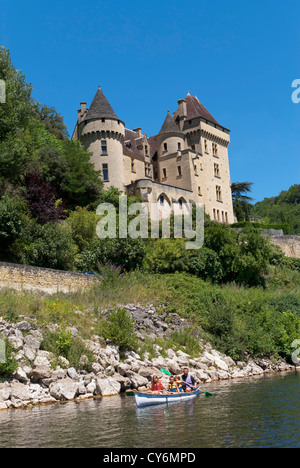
{"type": "Point", "coordinates": [290, 245]}
{"type": "Point", "coordinates": [24, 277]}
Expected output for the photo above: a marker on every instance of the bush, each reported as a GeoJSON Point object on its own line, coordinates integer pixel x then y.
{"type": "Point", "coordinates": [167, 256]}
{"type": "Point", "coordinates": [119, 328]}
{"type": "Point", "coordinates": [12, 218]}
{"type": "Point", "coordinates": [62, 343]}
{"type": "Point", "coordinates": [129, 254]}
{"type": "Point", "coordinates": [83, 227]}
{"type": "Point", "coordinates": [10, 365]}
{"type": "Point", "coordinates": [49, 246]}
{"type": "Point", "coordinates": [206, 265]}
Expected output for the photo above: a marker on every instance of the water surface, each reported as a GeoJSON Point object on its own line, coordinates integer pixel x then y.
{"type": "Point", "coordinates": [254, 412]}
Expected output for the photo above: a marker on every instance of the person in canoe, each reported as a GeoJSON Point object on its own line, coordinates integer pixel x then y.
{"type": "Point", "coordinates": [173, 386]}
{"type": "Point", "coordinates": [179, 383]}
{"type": "Point", "coordinates": [157, 386]}
{"type": "Point", "coordinates": [188, 381]}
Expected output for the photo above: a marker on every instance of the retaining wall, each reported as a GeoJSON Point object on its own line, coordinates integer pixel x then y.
{"type": "Point", "coordinates": [24, 277]}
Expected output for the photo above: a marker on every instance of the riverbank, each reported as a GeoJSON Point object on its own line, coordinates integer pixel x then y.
{"type": "Point", "coordinates": [41, 377]}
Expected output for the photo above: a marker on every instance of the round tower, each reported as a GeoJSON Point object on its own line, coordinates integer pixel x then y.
{"type": "Point", "coordinates": [102, 134]}
{"type": "Point", "coordinates": [170, 139]}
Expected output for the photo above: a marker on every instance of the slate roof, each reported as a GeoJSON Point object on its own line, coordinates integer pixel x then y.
{"type": "Point", "coordinates": [169, 125]}
{"type": "Point", "coordinates": [196, 109]}
{"type": "Point", "coordinates": [100, 108]}
{"type": "Point", "coordinates": [131, 143]}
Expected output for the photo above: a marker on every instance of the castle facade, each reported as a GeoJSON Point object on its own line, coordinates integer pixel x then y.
{"type": "Point", "coordinates": [187, 162]}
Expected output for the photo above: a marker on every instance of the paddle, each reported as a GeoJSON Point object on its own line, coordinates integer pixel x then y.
{"type": "Point", "coordinates": [170, 375]}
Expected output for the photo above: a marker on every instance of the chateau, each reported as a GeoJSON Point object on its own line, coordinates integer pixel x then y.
{"type": "Point", "coordinates": [186, 162]}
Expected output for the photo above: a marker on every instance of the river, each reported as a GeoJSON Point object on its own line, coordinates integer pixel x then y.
{"type": "Point", "coordinates": [254, 412]}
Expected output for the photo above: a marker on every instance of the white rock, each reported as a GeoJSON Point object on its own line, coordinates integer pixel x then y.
{"type": "Point", "coordinates": [107, 387]}
{"type": "Point", "coordinates": [65, 389]}
{"type": "Point", "coordinates": [72, 373]}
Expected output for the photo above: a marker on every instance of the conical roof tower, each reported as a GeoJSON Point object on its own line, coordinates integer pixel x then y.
{"type": "Point", "coordinates": [100, 108]}
{"type": "Point", "coordinates": [170, 126]}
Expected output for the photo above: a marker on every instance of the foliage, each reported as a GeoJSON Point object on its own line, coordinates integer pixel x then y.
{"type": "Point", "coordinates": [49, 245]}
{"type": "Point", "coordinates": [41, 200]}
{"type": "Point", "coordinates": [83, 226]}
{"type": "Point", "coordinates": [283, 209]}
{"type": "Point", "coordinates": [10, 365]}
{"type": "Point", "coordinates": [119, 329]}
{"type": "Point", "coordinates": [241, 201]}
{"type": "Point", "coordinates": [12, 211]}
{"type": "Point", "coordinates": [206, 265]}
{"type": "Point", "coordinates": [167, 256]}
{"type": "Point", "coordinates": [63, 343]}
{"type": "Point", "coordinates": [127, 253]}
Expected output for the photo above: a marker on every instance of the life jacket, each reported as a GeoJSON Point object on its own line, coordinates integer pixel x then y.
{"type": "Point", "coordinates": [172, 387]}
{"type": "Point", "coordinates": [156, 387]}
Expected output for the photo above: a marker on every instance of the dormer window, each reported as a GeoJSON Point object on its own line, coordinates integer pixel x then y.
{"type": "Point", "coordinates": [146, 150]}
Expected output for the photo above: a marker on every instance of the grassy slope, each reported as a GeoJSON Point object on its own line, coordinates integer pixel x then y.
{"type": "Point", "coordinates": [233, 318]}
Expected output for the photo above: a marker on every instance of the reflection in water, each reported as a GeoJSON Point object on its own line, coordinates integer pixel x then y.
{"type": "Point", "coordinates": [260, 412]}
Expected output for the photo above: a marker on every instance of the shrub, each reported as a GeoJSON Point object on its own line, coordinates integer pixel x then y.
{"type": "Point", "coordinates": [83, 227]}
{"type": "Point", "coordinates": [10, 365]}
{"type": "Point", "coordinates": [126, 253]}
{"type": "Point", "coordinates": [167, 256]}
{"type": "Point", "coordinates": [62, 343]}
{"type": "Point", "coordinates": [119, 328]}
{"type": "Point", "coordinates": [206, 265]}
{"type": "Point", "coordinates": [49, 246]}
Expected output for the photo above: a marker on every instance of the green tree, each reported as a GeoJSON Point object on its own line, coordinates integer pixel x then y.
{"type": "Point", "coordinates": [241, 200]}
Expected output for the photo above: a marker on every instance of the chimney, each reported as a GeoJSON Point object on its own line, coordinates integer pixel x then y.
{"type": "Point", "coordinates": [182, 110]}
{"type": "Point", "coordinates": [138, 131]}
{"type": "Point", "coordinates": [82, 111]}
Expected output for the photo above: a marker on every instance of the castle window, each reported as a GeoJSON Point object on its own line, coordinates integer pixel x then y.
{"type": "Point", "coordinates": [165, 146]}
{"type": "Point", "coordinates": [146, 150]}
{"type": "Point", "coordinates": [226, 218]}
{"type": "Point", "coordinates": [147, 170]}
{"type": "Point", "coordinates": [206, 146]}
{"type": "Point", "coordinates": [104, 147]}
{"type": "Point", "coordinates": [215, 217]}
{"type": "Point", "coordinates": [195, 169]}
{"type": "Point", "coordinates": [179, 171]}
{"type": "Point", "coordinates": [132, 165]}
{"type": "Point", "coordinates": [217, 170]}
{"type": "Point", "coordinates": [164, 173]}
{"type": "Point", "coordinates": [215, 149]}
{"type": "Point", "coordinates": [179, 146]}
{"type": "Point", "coordinates": [103, 120]}
{"type": "Point", "coordinates": [162, 200]}
{"type": "Point", "coordinates": [105, 172]}
{"type": "Point", "coordinates": [193, 147]}
{"type": "Point", "coordinates": [199, 192]}
{"type": "Point", "coordinates": [219, 193]}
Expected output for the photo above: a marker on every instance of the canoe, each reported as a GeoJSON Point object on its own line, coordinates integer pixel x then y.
{"type": "Point", "coordinates": [148, 399]}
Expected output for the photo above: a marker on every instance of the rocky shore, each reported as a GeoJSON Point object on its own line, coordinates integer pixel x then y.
{"type": "Point", "coordinates": [42, 378]}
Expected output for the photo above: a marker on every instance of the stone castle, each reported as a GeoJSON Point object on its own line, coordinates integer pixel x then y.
{"type": "Point", "coordinates": [187, 162]}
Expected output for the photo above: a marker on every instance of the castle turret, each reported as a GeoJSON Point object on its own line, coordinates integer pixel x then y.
{"type": "Point", "coordinates": [170, 138]}
{"type": "Point", "coordinates": [102, 134]}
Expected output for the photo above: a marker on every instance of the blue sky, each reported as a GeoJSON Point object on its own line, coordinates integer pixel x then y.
{"type": "Point", "coordinates": [239, 58]}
